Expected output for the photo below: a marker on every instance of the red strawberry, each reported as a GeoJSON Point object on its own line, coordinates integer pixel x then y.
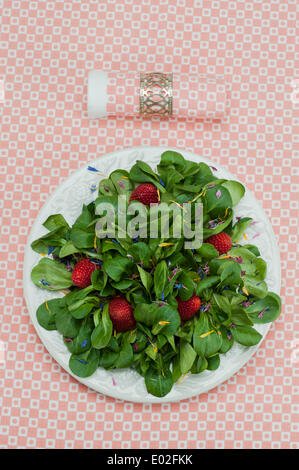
{"type": "Point", "coordinates": [121, 314]}
{"type": "Point", "coordinates": [188, 308]}
{"type": "Point", "coordinates": [146, 193]}
{"type": "Point", "coordinates": [221, 241]}
{"type": "Point", "coordinates": [82, 272]}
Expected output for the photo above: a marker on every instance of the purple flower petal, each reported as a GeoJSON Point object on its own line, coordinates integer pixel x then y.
{"type": "Point", "coordinates": [206, 269]}
{"type": "Point", "coordinates": [105, 187]}
{"type": "Point", "coordinates": [212, 222]}
{"type": "Point", "coordinates": [218, 194]}
{"type": "Point", "coordinates": [173, 273]}
{"type": "Point", "coordinates": [260, 315]}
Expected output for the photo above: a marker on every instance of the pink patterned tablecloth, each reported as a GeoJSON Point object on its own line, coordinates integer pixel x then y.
{"type": "Point", "coordinates": [47, 49]}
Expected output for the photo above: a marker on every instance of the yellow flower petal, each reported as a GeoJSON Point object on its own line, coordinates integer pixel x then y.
{"type": "Point", "coordinates": [206, 334]}
{"type": "Point", "coordinates": [245, 290]}
{"type": "Point", "coordinates": [181, 378]}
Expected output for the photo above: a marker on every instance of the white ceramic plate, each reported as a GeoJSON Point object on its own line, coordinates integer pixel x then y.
{"type": "Point", "coordinates": [127, 384]}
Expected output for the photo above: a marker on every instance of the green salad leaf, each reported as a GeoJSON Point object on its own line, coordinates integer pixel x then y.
{"type": "Point", "coordinates": [51, 275]}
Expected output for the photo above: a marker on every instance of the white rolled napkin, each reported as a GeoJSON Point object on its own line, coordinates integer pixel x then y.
{"type": "Point", "coordinates": [195, 96]}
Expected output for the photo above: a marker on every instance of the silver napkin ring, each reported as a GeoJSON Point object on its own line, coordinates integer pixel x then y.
{"type": "Point", "coordinates": [156, 94]}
